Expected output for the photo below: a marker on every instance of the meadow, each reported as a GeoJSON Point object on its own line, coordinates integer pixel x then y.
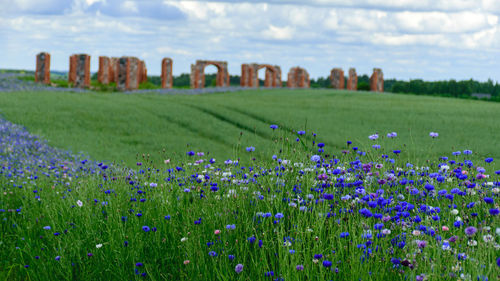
{"type": "Point", "coordinates": [252, 185]}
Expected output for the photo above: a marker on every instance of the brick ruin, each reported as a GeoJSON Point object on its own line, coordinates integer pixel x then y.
{"type": "Point", "coordinates": [79, 70]}
{"type": "Point", "coordinates": [298, 78]}
{"type": "Point", "coordinates": [42, 73]}
{"type": "Point", "coordinates": [377, 80]}
{"type": "Point", "coordinates": [109, 69]}
{"type": "Point", "coordinates": [167, 81]}
{"type": "Point", "coordinates": [198, 74]}
{"type": "Point", "coordinates": [337, 78]}
{"type": "Point", "coordinates": [250, 77]}
{"type": "Point", "coordinates": [352, 81]}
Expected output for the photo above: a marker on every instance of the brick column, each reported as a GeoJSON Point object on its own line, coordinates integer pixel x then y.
{"type": "Point", "coordinates": [167, 80]}
{"type": "Point", "coordinates": [127, 69]}
{"type": "Point", "coordinates": [352, 82]}
{"type": "Point", "coordinates": [105, 69]}
{"type": "Point", "coordinates": [42, 73]}
{"type": "Point", "coordinates": [298, 78]}
{"type": "Point", "coordinates": [79, 70]}
{"type": "Point", "coordinates": [337, 78]}
{"type": "Point", "coordinates": [377, 80]}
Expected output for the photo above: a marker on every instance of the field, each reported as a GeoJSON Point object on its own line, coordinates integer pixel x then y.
{"type": "Point", "coordinates": [116, 127]}
{"type": "Point", "coordinates": [251, 185]}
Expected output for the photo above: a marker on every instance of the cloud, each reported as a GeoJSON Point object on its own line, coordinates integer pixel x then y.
{"type": "Point", "coordinates": [278, 33]}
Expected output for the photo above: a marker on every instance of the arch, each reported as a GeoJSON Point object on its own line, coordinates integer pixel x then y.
{"type": "Point", "coordinates": [250, 78]}
{"type": "Point", "coordinates": [198, 73]}
{"type": "Point", "coordinates": [298, 77]}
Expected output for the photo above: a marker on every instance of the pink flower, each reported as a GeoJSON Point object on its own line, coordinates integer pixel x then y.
{"type": "Point", "coordinates": [186, 262]}
{"type": "Point", "coordinates": [445, 228]}
{"type": "Point", "coordinates": [217, 232]}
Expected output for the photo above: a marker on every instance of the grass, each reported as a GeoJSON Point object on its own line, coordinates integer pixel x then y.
{"type": "Point", "coordinates": [68, 220]}
{"type": "Point", "coordinates": [117, 127]}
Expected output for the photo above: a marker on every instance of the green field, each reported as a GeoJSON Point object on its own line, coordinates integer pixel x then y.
{"type": "Point", "coordinates": [116, 126]}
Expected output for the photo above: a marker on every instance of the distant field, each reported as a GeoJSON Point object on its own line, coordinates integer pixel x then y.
{"type": "Point", "coordinates": [116, 126]}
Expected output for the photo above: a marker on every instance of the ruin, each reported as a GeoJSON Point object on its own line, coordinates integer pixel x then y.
{"type": "Point", "coordinates": [79, 70]}
{"type": "Point", "coordinates": [113, 70]}
{"type": "Point", "coordinates": [142, 72]}
{"type": "Point", "coordinates": [105, 70]}
{"type": "Point", "coordinates": [198, 74]}
{"type": "Point", "coordinates": [377, 80]}
{"type": "Point", "coordinates": [298, 78]}
{"type": "Point", "coordinates": [42, 73]}
{"type": "Point", "coordinates": [167, 81]}
{"type": "Point", "coordinates": [352, 81]}
{"type": "Point", "coordinates": [250, 78]}
{"type": "Point", "coordinates": [337, 78]}
{"type": "Point", "coordinates": [127, 73]}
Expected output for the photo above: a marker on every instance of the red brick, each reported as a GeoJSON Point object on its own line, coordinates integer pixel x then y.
{"type": "Point", "coordinates": [198, 74]}
{"type": "Point", "coordinates": [42, 73]}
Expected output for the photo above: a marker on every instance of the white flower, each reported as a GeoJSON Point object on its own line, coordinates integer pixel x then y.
{"type": "Point", "coordinates": [98, 246]}
{"type": "Point", "coordinates": [79, 203]}
{"type": "Point", "coordinates": [488, 238]}
{"type": "Point", "coordinates": [497, 231]}
{"type": "Point", "coordinates": [184, 239]}
{"type": "Point", "coordinates": [416, 232]}
{"type": "Point", "coordinates": [386, 231]}
{"type": "Point", "coordinates": [454, 212]}
{"type": "Point", "coordinates": [472, 243]}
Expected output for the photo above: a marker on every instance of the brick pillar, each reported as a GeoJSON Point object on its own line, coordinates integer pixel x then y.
{"type": "Point", "coordinates": [105, 69]}
{"type": "Point", "coordinates": [244, 75]}
{"type": "Point", "coordinates": [128, 78]}
{"type": "Point", "coordinates": [298, 78]}
{"type": "Point", "coordinates": [166, 73]}
{"type": "Point", "coordinates": [337, 78]}
{"type": "Point", "coordinates": [113, 69]}
{"type": "Point", "coordinates": [277, 77]}
{"type": "Point", "coordinates": [377, 80]}
{"type": "Point", "coordinates": [142, 75]}
{"type": "Point", "coordinates": [352, 82]}
{"type": "Point", "coordinates": [42, 73]}
{"type": "Point", "coordinates": [79, 70]}
{"type": "Point", "coordinates": [222, 78]}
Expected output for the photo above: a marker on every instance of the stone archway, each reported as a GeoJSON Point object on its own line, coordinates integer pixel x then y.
{"type": "Point", "coordinates": [198, 73]}
{"type": "Point", "coordinates": [250, 78]}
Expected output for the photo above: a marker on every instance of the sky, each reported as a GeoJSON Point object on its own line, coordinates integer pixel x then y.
{"type": "Point", "coordinates": [408, 39]}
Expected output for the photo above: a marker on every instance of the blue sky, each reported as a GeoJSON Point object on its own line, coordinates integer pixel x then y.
{"type": "Point", "coordinates": [408, 39]}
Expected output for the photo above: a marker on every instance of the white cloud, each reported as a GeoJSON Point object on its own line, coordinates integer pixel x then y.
{"type": "Point", "coordinates": [278, 33]}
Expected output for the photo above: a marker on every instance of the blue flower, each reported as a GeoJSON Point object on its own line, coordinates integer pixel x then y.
{"type": "Point", "coordinates": [320, 144]}
{"type": "Point", "coordinates": [488, 160]}
{"type": "Point", "coordinates": [301, 133]}
{"type": "Point", "coordinates": [212, 254]}
{"type": "Point", "coordinates": [315, 158]}
{"type": "Point", "coordinates": [327, 263]}
{"type": "Point", "coordinates": [145, 228]}
{"type": "Point", "coordinates": [279, 216]}
{"type": "Point", "coordinates": [344, 234]}
{"type": "Point", "coordinates": [250, 149]}
{"type": "Point", "coordinates": [274, 127]}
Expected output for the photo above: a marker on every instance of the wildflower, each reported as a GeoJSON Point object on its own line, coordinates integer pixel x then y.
{"type": "Point", "coordinates": [488, 200]}
{"type": "Point", "coordinates": [279, 216]}
{"type": "Point", "coordinates": [250, 149]}
{"type": "Point", "coordinates": [494, 211]}
{"type": "Point", "coordinates": [47, 227]}
{"type": "Point", "coordinates": [230, 257]}
{"type": "Point", "coordinates": [145, 228]}
{"type": "Point", "coordinates": [153, 184]}
{"type": "Point", "coordinates": [472, 243]}
{"type": "Point", "coordinates": [344, 234]}
{"type": "Point", "coordinates": [433, 134]}
{"type": "Point", "coordinates": [299, 267]}
{"type": "Point", "coordinates": [186, 262]}
{"type": "Point", "coordinates": [217, 232]}
{"type": "Point", "coordinates": [139, 264]}
{"type": "Point", "coordinates": [488, 160]}
{"type": "Point", "coordinates": [274, 127]}
{"type": "Point", "coordinates": [184, 239]}
{"type": "Point", "coordinates": [58, 258]}
{"type": "Point", "coordinates": [300, 133]}
{"type": "Point", "coordinates": [212, 254]}
{"type": "Point", "coordinates": [327, 263]}
{"type": "Point", "coordinates": [392, 135]}
{"type": "Point", "coordinates": [79, 203]}
{"type": "Point", "coordinates": [470, 231]}
{"type": "Point", "coordinates": [444, 228]}
{"type": "Point", "coordinates": [239, 267]}
{"type": "Point", "coordinates": [98, 246]}
{"type": "Point", "coordinates": [315, 158]}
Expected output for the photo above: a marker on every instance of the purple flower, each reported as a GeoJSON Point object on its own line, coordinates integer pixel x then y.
{"type": "Point", "coordinates": [328, 196]}
{"type": "Point", "coordinates": [230, 257]}
{"type": "Point", "coordinates": [321, 145]}
{"type": "Point", "coordinates": [274, 127]}
{"type": "Point", "coordinates": [139, 264]}
{"type": "Point", "coordinates": [318, 256]}
{"type": "Point", "coordinates": [488, 200]}
{"type": "Point", "coordinates": [327, 263]}
{"type": "Point", "coordinates": [433, 134]}
{"type": "Point", "coordinates": [494, 211]}
{"type": "Point", "coordinates": [212, 254]}
{"type": "Point", "coordinates": [301, 133]}
{"type": "Point", "coordinates": [250, 149]}
{"type": "Point", "coordinates": [58, 258]}
{"type": "Point", "coordinates": [239, 267]}
{"type": "Point", "coordinates": [299, 267]}
{"type": "Point", "coordinates": [470, 230]}
{"type": "Point", "coordinates": [145, 228]}
{"type": "Point", "coordinates": [279, 216]}
{"type": "Point", "coordinates": [47, 227]}
{"type": "Point", "coordinates": [373, 137]}
{"type": "Point", "coordinates": [498, 261]}
{"type": "Point", "coordinates": [190, 153]}
{"type": "Point", "coordinates": [315, 158]}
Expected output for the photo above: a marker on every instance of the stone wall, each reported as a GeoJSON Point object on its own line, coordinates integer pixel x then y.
{"type": "Point", "coordinates": [377, 80]}
{"type": "Point", "coordinates": [42, 73]}
{"type": "Point", "coordinates": [79, 70]}
{"type": "Point", "coordinates": [250, 78]}
{"type": "Point", "coordinates": [127, 73]}
{"type": "Point", "coordinates": [198, 74]}
{"type": "Point", "coordinates": [352, 81]}
{"type": "Point", "coordinates": [337, 78]}
{"type": "Point", "coordinates": [298, 78]}
{"type": "Point", "coordinates": [167, 80]}
{"type": "Point", "coordinates": [142, 72]}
